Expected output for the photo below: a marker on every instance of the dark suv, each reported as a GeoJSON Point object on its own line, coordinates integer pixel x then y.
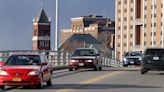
{"type": "Point", "coordinates": [153, 59]}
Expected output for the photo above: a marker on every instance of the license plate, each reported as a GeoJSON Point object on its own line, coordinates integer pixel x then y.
{"type": "Point", "coordinates": [131, 62]}
{"type": "Point", "coordinates": [17, 79]}
{"type": "Point", "coordinates": [81, 64]}
{"type": "Point", "coordinates": [155, 58]}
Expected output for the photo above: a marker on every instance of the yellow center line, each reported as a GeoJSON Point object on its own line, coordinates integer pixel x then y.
{"type": "Point", "coordinates": [93, 80]}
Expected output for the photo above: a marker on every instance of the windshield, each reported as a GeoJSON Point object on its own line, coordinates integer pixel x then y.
{"type": "Point", "coordinates": [133, 54]}
{"type": "Point", "coordinates": [23, 60]}
{"type": "Point", "coordinates": [84, 52]}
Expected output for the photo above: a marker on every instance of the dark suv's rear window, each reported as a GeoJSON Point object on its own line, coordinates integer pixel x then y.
{"type": "Point", "coordinates": [158, 52]}
{"type": "Point", "coordinates": [23, 60]}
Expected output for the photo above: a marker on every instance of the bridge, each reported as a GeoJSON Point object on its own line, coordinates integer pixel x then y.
{"type": "Point", "coordinates": [112, 78]}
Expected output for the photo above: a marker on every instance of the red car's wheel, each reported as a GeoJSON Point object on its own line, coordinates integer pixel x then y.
{"type": "Point", "coordinates": [40, 85]}
{"type": "Point", "coordinates": [70, 69]}
{"type": "Point", "coordinates": [2, 86]}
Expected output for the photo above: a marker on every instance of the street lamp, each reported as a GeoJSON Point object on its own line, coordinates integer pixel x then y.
{"type": "Point", "coordinates": [56, 26]}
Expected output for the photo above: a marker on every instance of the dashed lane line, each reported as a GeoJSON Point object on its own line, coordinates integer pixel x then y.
{"type": "Point", "coordinates": [92, 80]}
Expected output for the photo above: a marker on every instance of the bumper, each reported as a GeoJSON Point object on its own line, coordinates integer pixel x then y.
{"type": "Point", "coordinates": [132, 62]}
{"type": "Point", "coordinates": [82, 65]}
{"type": "Point", "coordinates": [154, 66]}
{"type": "Point", "coordinates": [26, 81]}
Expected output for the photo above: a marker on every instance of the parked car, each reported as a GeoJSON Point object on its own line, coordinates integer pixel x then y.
{"type": "Point", "coordinates": [132, 58]}
{"type": "Point", "coordinates": [26, 70]}
{"type": "Point", "coordinates": [85, 58]}
{"type": "Point", "coordinates": [153, 59]}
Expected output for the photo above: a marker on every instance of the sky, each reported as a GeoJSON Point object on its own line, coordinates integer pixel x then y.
{"type": "Point", "coordinates": [16, 18]}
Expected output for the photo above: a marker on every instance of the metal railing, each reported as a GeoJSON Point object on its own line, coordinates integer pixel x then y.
{"type": "Point", "coordinates": [59, 59]}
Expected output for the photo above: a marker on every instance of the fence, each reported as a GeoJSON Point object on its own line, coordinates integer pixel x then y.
{"type": "Point", "coordinates": [59, 59]}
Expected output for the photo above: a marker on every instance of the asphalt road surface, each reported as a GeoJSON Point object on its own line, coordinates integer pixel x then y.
{"type": "Point", "coordinates": [107, 80]}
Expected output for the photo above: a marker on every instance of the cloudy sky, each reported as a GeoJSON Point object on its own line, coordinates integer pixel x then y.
{"type": "Point", "coordinates": [16, 18]}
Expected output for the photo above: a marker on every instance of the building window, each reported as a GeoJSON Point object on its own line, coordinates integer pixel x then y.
{"type": "Point", "coordinates": [119, 11]}
{"type": "Point", "coordinates": [119, 19]}
{"type": "Point", "coordinates": [161, 5]}
{"type": "Point", "coordinates": [131, 9]}
{"type": "Point", "coordinates": [125, 27]}
{"type": "Point", "coordinates": [145, 25]}
{"type": "Point", "coordinates": [131, 26]}
{"type": "Point", "coordinates": [154, 33]}
{"type": "Point", "coordinates": [125, 10]}
{"type": "Point", "coordinates": [155, 15]}
{"type": "Point", "coordinates": [124, 35]}
{"type": "Point", "coordinates": [144, 34]}
{"type": "Point", "coordinates": [125, 1]}
{"type": "Point", "coordinates": [118, 44]}
{"type": "Point", "coordinates": [124, 44]}
{"type": "Point", "coordinates": [119, 2]}
{"type": "Point", "coordinates": [131, 44]}
{"type": "Point", "coordinates": [131, 35]}
{"type": "Point", "coordinates": [119, 36]}
{"type": "Point", "coordinates": [125, 19]}
{"type": "Point", "coordinates": [144, 43]}
{"type": "Point", "coordinates": [119, 28]}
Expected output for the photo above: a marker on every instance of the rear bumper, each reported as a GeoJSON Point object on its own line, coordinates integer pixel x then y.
{"type": "Point", "coordinates": [154, 66]}
{"type": "Point", "coordinates": [82, 65]}
{"type": "Point", "coordinates": [26, 81]}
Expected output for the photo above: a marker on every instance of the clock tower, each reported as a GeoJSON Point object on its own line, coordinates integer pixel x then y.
{"type": "Point", "coordinates": [41, 32]}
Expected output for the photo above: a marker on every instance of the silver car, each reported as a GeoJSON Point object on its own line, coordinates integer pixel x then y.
{"type": "Point", "coordinates": [85, 58]}
{"type": "Point", "coordinates": [132, 58]}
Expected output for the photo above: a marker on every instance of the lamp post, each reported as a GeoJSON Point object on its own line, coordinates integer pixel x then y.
{"type": "Point", "coordinates": [56, 26]}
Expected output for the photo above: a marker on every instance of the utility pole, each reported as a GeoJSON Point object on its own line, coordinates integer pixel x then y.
{"type": "Point", "coordinates": [56, 26]}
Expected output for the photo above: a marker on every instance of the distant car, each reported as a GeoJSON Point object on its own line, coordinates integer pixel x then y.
{"type": "Point", "coordinates": [153, 59]}
{"type": "Point", "coordinates": [132, 58]}
{"type": "Point", "coordinates": [26, 70]}
{"type": "Point", "coordinates": [85, 58]}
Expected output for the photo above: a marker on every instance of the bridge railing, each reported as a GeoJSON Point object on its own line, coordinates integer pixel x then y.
{"type": "Point", "coordinates": [59, 59]}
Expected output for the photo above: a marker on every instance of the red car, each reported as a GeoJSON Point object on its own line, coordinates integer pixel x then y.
{"type": "Point", "coordinates": [26, 70]}
{"type": "Point", "coordinates": [85, 58]}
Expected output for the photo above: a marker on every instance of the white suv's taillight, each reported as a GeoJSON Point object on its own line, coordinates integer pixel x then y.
{"type": "Point", "coordinates": [3, 73]}
{"type": "Point", "coordinates": [32, 73]}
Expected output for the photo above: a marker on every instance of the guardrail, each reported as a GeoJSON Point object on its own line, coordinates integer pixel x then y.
{"type": "Point", "coordinates": [59, 59]}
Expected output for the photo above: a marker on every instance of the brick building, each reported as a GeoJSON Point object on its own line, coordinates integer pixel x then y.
{"type": "Point", "coordinates": [99, 27]}
{"type": "Point", "coordinates": [139, 25]}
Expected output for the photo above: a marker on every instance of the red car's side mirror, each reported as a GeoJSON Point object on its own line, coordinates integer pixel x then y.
{"type": "Point", "coordinates": [45, 63]}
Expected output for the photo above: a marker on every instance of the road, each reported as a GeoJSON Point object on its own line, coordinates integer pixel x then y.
{"type": "Point", "coordinates": [108, 80]}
